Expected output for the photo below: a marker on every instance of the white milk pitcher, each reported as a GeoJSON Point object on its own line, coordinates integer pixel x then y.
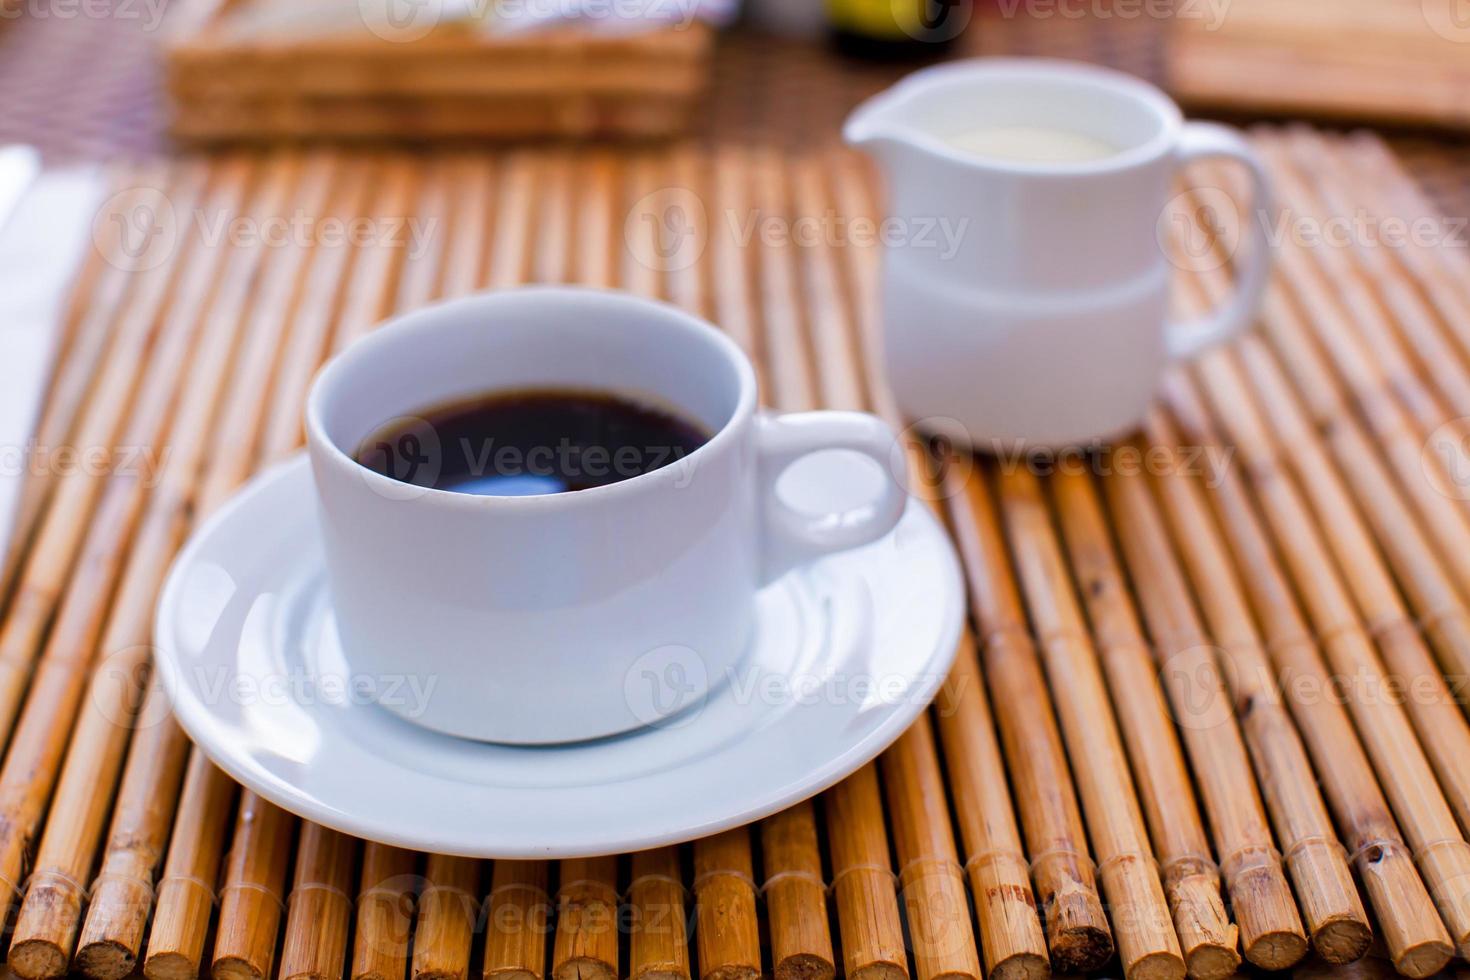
{"type": "Point", "coordinates": [1043, 322]}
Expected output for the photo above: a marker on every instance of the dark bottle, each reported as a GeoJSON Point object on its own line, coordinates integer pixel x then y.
{"type": "Point", "coordinates": [893, 30]}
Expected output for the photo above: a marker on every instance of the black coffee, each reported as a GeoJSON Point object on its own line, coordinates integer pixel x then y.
{"type": "Point", "coordinates": [530, 441]}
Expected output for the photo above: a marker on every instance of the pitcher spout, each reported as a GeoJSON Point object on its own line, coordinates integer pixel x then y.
{"type": "Point", "coordinates": [877, 128]}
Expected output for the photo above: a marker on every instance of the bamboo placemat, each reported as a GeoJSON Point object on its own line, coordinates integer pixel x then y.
{"type": "Point", "coordinates": [1207, 706]}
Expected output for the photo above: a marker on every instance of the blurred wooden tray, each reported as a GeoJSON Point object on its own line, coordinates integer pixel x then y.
{"type": "Point", "coordinates": [1394, 61]}
{"type": "Point", "coordinates": [263, 69]}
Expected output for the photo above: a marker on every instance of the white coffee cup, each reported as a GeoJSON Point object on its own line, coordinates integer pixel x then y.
{"type": "Point", "coordinates": [1045, 321]}
{"type": "Point", "coordinates": [524, 617]}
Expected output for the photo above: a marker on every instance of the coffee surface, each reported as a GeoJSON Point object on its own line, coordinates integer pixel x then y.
{"type": "Point", "coordinates": [530, 441]}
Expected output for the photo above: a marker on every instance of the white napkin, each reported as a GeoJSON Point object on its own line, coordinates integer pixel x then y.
{"type": "Point", "coordinates": [41, 247]}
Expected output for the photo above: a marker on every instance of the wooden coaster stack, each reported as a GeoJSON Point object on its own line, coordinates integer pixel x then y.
{"type": "Point", "coordinates": [283, 70]}
{"type": "Point", "coordinates": [1401, 61]}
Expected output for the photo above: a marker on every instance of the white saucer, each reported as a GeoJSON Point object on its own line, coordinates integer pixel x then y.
{"type": "Point", "coordinates": [847, 652]}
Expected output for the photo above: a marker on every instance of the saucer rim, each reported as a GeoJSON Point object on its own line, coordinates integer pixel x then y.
{"type": "Point", "coordinates": [195, 718]}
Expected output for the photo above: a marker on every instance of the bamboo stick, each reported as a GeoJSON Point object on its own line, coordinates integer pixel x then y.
{"type": "Point", "coordinates": [1375, 175]}
{"type": "Point", "coordinates": [1447, 524]}
{"type": "Point", "coordinates": [1442, 726]}
{"type": "Point", "coordinates": [319, 909]}
{"type": "Point", "coordinates": [1012, 942]}
{"type": "Point", "coordinates": [448, 909]}
{"type": "Point", "coordinates": [320, 306]}
{"type": "Point", "coordinates": [688, 282]}
{"type": "Point", "coordinates": [46, 927]}
{"type": "Point", "coordinates": [1349, 323]}
{"type": "Point", "coordinates": [1387, 735]}
{"type": "Point", "coordinates": [1412, 933]}
{"type": "Point", "coordinates": [186, 894]}
{"type": "Point", "coordinates": [518, 921]}
{"type": "Point", "coordinates": [1270, 929]}
{"type": "Point", "coordinates": [646, 230]}
{"type": "Point", "coordinates": [112, 936]}
{"type": "Point", "coordinates": [598, 179]}
{"type": "Point", "coordinates": [421, 276]}
{"type": "Point", "coordinates": [658, 934]}
{"type": "Point", "coordinates": [1061, 869]}
{"type": "Point", "coordinates": [1437, 599]}
{"type": "Point", "coordinates": [362, 307]}
{"type": "Point", "coordinates": [1299, 154]}
{"type": "Point", "coordinates": [511, 246]}
{"type": "Point", "coordinates": [1421, 475]}
{"type": "Point", "coordinates": [586, 946]}
{"type": "Point", "coordinates": [370, 292]}
{"type": "Point", "coordinates": [1433, 317]}
{"type": "Point", "coordinates": [796, 901]}
{"type": "Point", "coordinates": [829, 319]}
{"type": "Point", "coordinates": [733, 268]}
{"type": "Point", "coordinates": [1404, 771]}
{"type": "Point", "coordinates": [930, 876]}
{"type": "Point", "coordinates": [250, 900]}
{"type": "Point", "coordinates": [783, 350]}
{"type": "Point", "coordinates": [1334, 914]}
{"type": "Point", "coordinates": [33, 587]}
{"type": "Point", "coordinates": [1147, 945]}
{"type": "Point", "coordinates": [1000, 880]}
{"type": "Point", "coordinates": [1439, 724]}
{"type": "Point", "coordinates": [724, 901]}
{"type": "Point", "coordinates": [862, 882]}
{"type": "Point", "coordinates": [1166, 792]}
{"type": "Point", "coordinates": [40, 738]}
{"type": "Point", "coordinates": [26, 780]}
{"type": "Point", "coordinates": [554, 233]}
{"type": "Point", "coordinates": [466, 229]}
{"type": "Point", "coordinates": [1317, 862]}
{"type": "Point", "coordinates": [386, 899]}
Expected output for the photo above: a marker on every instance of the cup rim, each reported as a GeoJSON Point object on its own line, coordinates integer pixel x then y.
{"type": "Point", "coordinates": [1171, 118]}
{"type": "Point", "coordinates": [528, 300]}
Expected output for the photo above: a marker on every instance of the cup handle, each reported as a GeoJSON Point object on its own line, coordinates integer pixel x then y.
{"type": "Point", "coordinates": [1186, 338]}
{"type": "Point", "coordinates": [792, 536]}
